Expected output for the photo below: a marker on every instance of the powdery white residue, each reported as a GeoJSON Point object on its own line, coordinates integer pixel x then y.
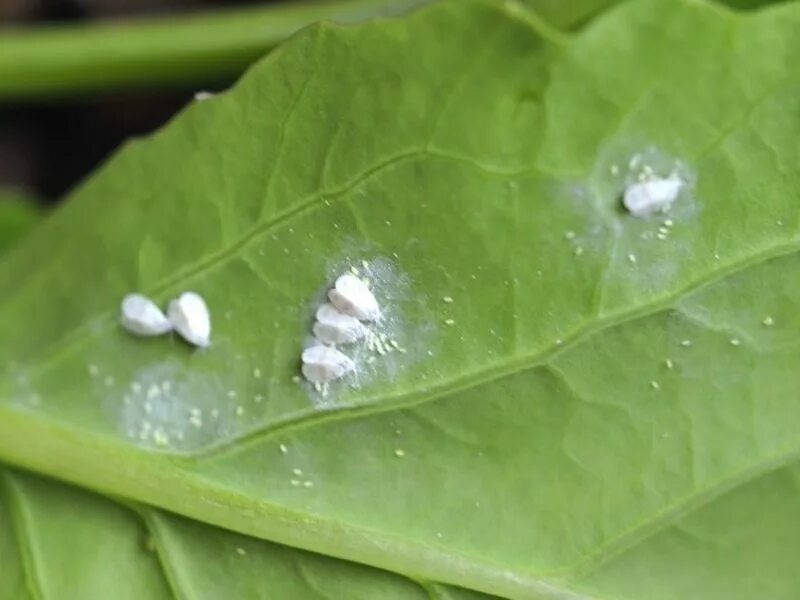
{"type": "Point", "coordinates": [22, 392]}
{"type": "Point", "coordinates": [164, 406]}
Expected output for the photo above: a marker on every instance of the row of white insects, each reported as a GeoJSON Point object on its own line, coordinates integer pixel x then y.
{"type": "Point", "coordinates": [339, 321]}
{"type": "Point", "coordinates": [187, 315]}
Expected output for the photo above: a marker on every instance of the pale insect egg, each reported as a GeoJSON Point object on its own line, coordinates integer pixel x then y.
{"type": "Point", "coordinates": [140, 315]}
{"type": "Point", "coordinates": [352, 296]}
{"type": "Point", "coordinates": [322, 364]}
{"type": "Point", "coordinates": [335, 327]}
{"type": "Point", "coordinates": [653, 194]}
{"type": "Point", "coordinates": [189, 316]}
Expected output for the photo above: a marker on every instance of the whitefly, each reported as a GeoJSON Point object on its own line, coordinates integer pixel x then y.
{"type": "Point", "coordinates": [351, 296]}
{"type": "Point", "coordinates": [322, 364]}
{"type": "Point", "coordinates": [655, 194]}
{"type": "Point", "coordinates": [189, 316]}
{"type": "Point", "coordinates": [140, 315]}
{"type": "Point", "coordinates": [334, 327]}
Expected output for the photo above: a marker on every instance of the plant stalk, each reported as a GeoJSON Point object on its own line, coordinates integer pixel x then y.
{"type": "Point", "coordinates": [57, 60]}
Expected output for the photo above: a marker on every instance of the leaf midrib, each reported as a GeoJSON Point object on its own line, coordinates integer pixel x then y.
{"type": "Point", "coordinates": [232, 510]}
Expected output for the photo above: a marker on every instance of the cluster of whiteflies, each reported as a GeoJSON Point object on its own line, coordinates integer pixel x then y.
{"type": "Point", "coordinates": [340, 321]}
{"type": "Point", "coordinates": [187, 315]}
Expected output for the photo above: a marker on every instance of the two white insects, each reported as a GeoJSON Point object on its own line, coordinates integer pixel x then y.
{"type": "Point", "coordinates": [339, 322]}
{"type": "Point", "coordinates": [187, 314]}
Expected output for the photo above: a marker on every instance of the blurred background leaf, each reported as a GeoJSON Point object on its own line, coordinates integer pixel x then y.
{"type": "Point", "coordinates": [18, 213]}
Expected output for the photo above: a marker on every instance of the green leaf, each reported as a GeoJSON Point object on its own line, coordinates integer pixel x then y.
{"type": "Point", "coordinates": [569, 14]}
{"type": "Point", "coordinates": [740, 546]}
{"type": "Point", "coordinates": [59, 530]}
{"type": "Point", "coordinates": [18, 213]}
{"type": "Point", "coordinates": [72, 544]}
{"type": "Point", "coordinates": [64, 543]}
{"type": "Point", "coordinates": [580, 401]}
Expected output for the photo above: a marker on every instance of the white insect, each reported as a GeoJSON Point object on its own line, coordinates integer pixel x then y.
{"type": "Point", "coordinates": [335, 327]}
{"type": "Point", "coordinates": [140, 315]}
{"type": "Point", "coordinates": [322, 364]}
{"type": "Point", "coordinates": [189, 316]}
{"type": "Point", "coordinates": [352, 297]}
{"type": "Point", "coordinates": [655, 194]}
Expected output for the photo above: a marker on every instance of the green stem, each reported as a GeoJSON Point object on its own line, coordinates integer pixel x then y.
{"type": "Point", "coordinates": [66, 59]}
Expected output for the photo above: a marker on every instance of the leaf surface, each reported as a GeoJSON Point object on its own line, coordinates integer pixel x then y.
{"type": "Point", "coordinates": [165, 555]}
{"type": "Point", "coordinates": [76, 545]}
{"type": "Point", "coordinates": [18, 214]}
{"type": "Point", "coordinates": [72, 544]}
{"type": "Point", "coordinates": [568, 403]}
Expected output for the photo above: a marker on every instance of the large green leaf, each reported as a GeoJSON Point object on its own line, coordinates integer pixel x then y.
{"type": "Point", "coordinates": [59, 543]}
{"type": "Point", "coordinates": [62, 543]}
{"type": "Point", "coordinates": [544, 432]}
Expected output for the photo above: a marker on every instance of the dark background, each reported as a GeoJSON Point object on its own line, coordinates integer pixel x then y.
{"type": "Point", "coordinates": [48, 146]}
